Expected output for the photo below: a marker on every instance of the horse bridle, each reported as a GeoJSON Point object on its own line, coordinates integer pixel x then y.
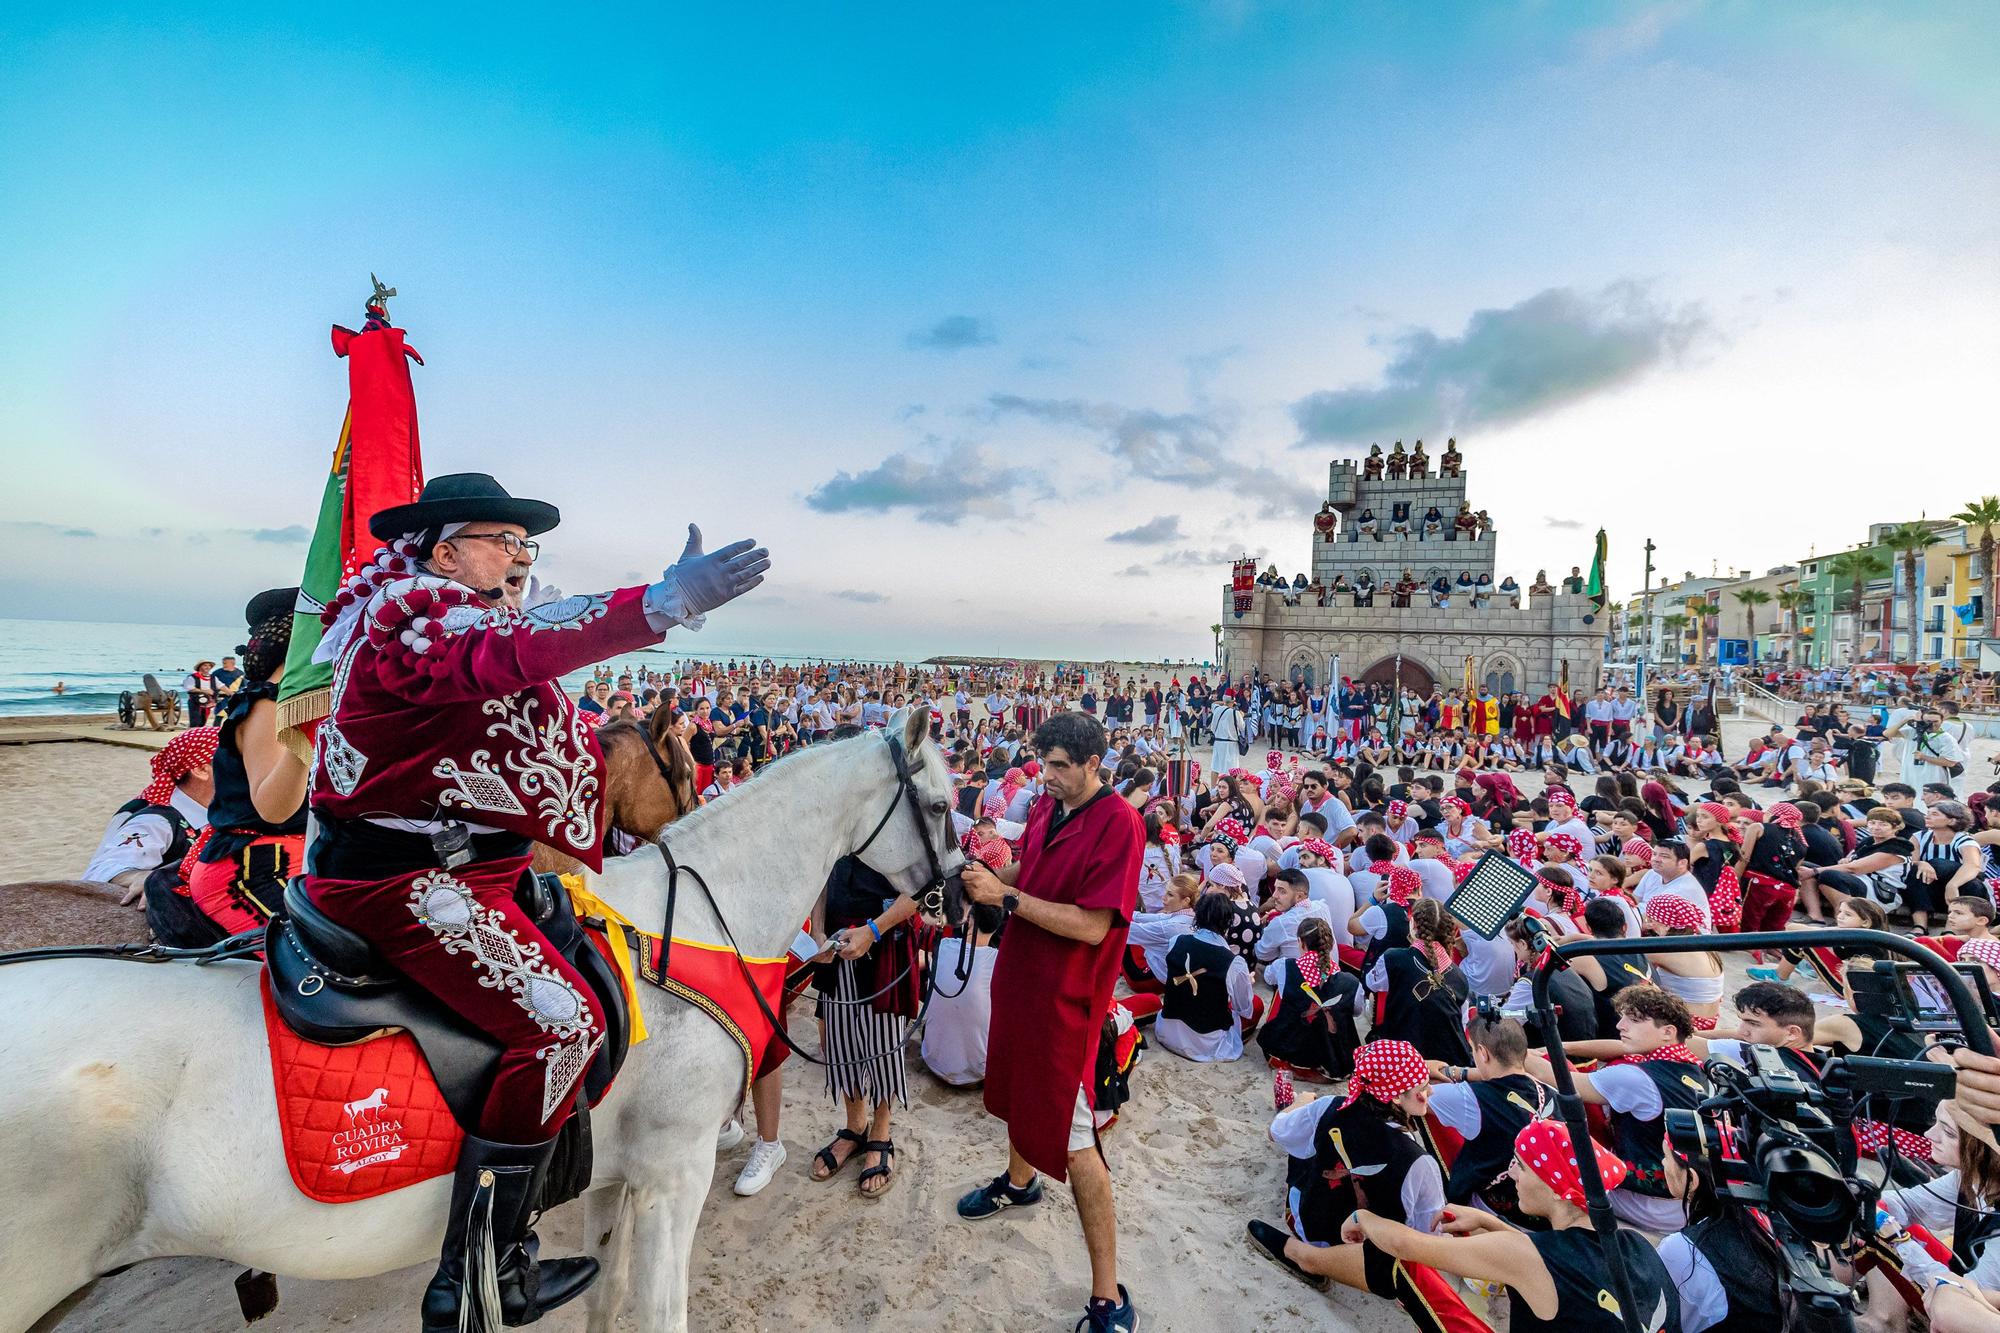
{"type": "Point", "coordinates": [932, 900]}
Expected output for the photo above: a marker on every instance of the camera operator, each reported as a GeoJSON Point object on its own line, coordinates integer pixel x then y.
{"type": "Point", "coordinates": [1487, 1106]}
{"type": "Point", "coordinates": [1555, 1279]}
{"type": "Point", "coordinates": [1935, 751]}
{"type": "Point", "coordinates": [1657, 1072]}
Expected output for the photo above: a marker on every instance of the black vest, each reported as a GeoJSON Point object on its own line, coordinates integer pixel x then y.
{"type": "Point", "coordinates": [232, 814]}
{"type": "Point", "coordinates": [1620, 970]}
{"type": "Point", "coordinates": [1426, 1008]}
{"type": "Point", "coordinates": [1585, 1302]}
{"type": "Point", "coordinates": [1198, 984]}
{"type": "Point", "coordinates": [1749, 1278]}
{"type": "Point", "coordinates": [1299, 1033]}
{"type": "Point", "coordinates": [1506, 1106]}
{"type": "Point", "coordinates": [1347, 1138]}
{"type": "Point", "coordinates": [1395, 935]}
{"type": "Point", "coordinates": [176, 823]}
{"type": "Point", "coordinates": [1638, 1141]}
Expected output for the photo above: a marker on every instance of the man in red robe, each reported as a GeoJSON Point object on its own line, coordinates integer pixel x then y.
{"type": "Point", "coordinates": [1071, 896]}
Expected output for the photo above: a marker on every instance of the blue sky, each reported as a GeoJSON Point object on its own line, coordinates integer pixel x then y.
{"type": "Point", "coordinates": [937, 302]}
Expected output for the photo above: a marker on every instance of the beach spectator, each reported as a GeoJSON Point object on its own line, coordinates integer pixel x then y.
{"type": "Point", "coordinates": [954, 1045]}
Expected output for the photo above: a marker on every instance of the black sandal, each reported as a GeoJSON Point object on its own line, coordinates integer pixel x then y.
{"type": "Point", "coordinates": [886, 1169]}
{"type": "Point", "coordinates": [834, 1165]}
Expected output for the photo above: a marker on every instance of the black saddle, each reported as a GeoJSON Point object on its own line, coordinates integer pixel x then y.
{"type": "Point", "coordinates": [331, 987]}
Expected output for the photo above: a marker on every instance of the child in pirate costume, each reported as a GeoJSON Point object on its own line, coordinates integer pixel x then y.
{"type": "Point", "coordinates": [255, 841]}
{"type": "Point", "coordinates": [1637, 1089]}
{"type": "Point", "coordinates": [1556, 1278]}
{"type": "Point", "coordinates": [1311, 1028]}
{"type": "Point", "coordinates": [423, 836]}
{"type": "Point", "coordinates": [1482, 1108]}
{"type": "Point", "coordinates": [1422, 991]}
{"type": "Point", "coordinates": [1359, 1153]}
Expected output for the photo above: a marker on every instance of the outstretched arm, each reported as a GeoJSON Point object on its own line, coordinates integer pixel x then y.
{"type": "Point", "coordinates": [1506, 1257]}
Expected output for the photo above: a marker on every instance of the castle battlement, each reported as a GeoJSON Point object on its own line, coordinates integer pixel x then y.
{"type": "Point", "coordinates": [1404, 517]}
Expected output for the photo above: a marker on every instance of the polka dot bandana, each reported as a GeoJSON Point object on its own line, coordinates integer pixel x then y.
{"type": "Point", "coordinates": [1983, 952]}
{"type": "Point", "coordinates": [1321, 848]}
{"type": "Point", "coordinates": [1385, 1070]}
{"type": "Point", "coordinates": [1785, 815]}
{"type": "Point", "coordinates": [1559, 799]}
{"type": "Point", "coordinates": [1568, 843]}
{"type": "Point", "coordinates": [1400, 885]}
{"type": "Point", "coordinates": [1521, 846]}
{"type": "Point", "coordinates": [1453, 803]}
{"type": "Point", "coordinates": [1671, 913]}
{"type": "Point", "coordinates": [176, 759]}
{"type": "Point", "coordinates": [1636, 849]}
{"type": "Point", "coordinates": [1547, 1149]}
{"type": "Point", "coordinates": [1232, 829]}
{"type": "Point", "coordinates": [1274, 761]}
{"type": "Point", "coordinates": [1398, 812]}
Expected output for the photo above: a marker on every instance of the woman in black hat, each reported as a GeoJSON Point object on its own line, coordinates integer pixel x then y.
{"type": "Point", "coordinates": [255, 841]}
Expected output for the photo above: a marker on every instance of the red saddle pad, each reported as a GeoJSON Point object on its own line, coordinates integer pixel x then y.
{"type": "Point", "coordinates": [358, 1120]}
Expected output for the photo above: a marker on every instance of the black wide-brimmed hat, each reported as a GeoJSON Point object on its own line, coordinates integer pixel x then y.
{"type": "Point", "coordinates": [271, 602]}
{"type": "Point", "coordinates": [463, 497]}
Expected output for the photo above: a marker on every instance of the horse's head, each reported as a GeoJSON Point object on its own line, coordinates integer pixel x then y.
{"type": "Point", "coordinates": [909, 839]}
{"type": "Point", "coordinates": [649, 775]}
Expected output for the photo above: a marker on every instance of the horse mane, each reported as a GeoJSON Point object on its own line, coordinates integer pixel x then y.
{"type": "Point", "coordinates": [673, 750]}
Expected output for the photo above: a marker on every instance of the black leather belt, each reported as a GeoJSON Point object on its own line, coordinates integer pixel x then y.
{"type": "Point", "coordinates": [358, 849]}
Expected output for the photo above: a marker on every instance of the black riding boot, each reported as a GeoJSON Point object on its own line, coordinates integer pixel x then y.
{"type": "Point", "coordinates": [489, 1252]}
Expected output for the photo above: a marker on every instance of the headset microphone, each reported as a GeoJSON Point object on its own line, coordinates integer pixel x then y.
{"type": "Point", "coordinates": [494, 593]}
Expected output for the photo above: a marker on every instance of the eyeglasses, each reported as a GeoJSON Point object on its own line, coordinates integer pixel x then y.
{"type": "Point", "coordinates": [509, 543]}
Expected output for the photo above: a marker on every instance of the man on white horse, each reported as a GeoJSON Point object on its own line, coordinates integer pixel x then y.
{"type": "Point", "coordinates": [423, 836]}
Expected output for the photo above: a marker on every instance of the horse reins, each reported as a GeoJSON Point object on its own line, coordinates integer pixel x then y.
{"type": "Point", "coordinates": [931, 899]}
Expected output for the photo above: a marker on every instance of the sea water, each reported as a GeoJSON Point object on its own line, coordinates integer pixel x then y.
{"type": "Point", "coordinates": [96, 662]}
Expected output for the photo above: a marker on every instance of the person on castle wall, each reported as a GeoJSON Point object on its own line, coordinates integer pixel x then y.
{"type": "Point", "coordinates": [1485, 524]}
{"type": "Point", "coordinates": [1574, 583]}
{"type": "Point", "coordinates": [1482, 589]}
{"type": "Point", "coordinates": [1371, 466]}
{"type": "Point", "coordinates": [1465, 521]}
{"type": "Point", "coordinates": [1325, 522]}
{"type": "Point", "coordinates": [1465, 580]}
{"type": "Point", "coordinates": [1541, 587]}
{"type": "Point", "coordinates": [1399, 594]}
{"type": "Point", "coordinates": [1318, 593]}
{"type": "Point", "coordinates": [1399, 518]}
{"type": "Point", "coordinates": [1448, 465]}
{"type": "Point", "coordinates": [1399, 462]}
{"type": "Point", "coordinates": [1418, 463]}
{"type": "Point", "coordinates": [1441, 591]}
{"type": "Point", "coordinates": [1433, 522]}
{"type": "Point", "coordinates": [1366, 524]}
{"type": "Point", "coordinates": [1511, 591]}
{"type": "Point", "coordinates": [1364, 589]}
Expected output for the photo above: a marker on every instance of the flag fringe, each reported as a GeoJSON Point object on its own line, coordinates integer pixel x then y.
{"type": "Point", "coordinates": [298, 712]}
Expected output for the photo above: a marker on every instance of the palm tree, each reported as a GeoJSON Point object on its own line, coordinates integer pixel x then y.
{"type": "Point", "coordinates": [1698, 612]}
{"type": "Point", "coordinates": [1855, 568]}
{"type": "Point", "coordinates": [1909, 540]}
{"type": "Point", "coordinates": [1751, 599]}
{"type": "Point", "coordinates": [1674, 624]}
{"type": "Point", "coordinates": [1981, 517]}
{"type": "Point", "coordinates": [1216, 630]}
{"type": "Point", "coordinates": [1795, 600]}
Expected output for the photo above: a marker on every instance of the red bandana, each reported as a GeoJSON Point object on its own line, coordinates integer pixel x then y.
{"type": "Point", "coordinates": [176, 759]}
{"type": "Point", "coordinates": [1400, 885]}
{"type": "Point", "coordinates": [1398, 812]}
{"type": "Point", "coordinates": [1568, 842]}
{"type": "Point", "coordinates": [1637, 849]}
{"type": "Point", "coordinates": [1672, 1051]}
{"type": "Point", "coordinates": [1564, 896]}
{"type": "Point", "coordinates": [1232, 829]}
{"type": "Point", "coordinates": [1321, 848]}
{"type": "Point", "coordinates": [1385, 1070]}
{"type": "Point", "coordinates": [1785, 815]}
{"type": "Point", "coordinates": [1672, 913]}
{"type": "Point", "coordinates": [1521, 845]}
{"type": "Point", "coordinates": [1549, 1150]}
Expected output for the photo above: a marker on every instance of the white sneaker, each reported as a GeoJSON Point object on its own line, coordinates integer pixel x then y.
{"type": "Point", "coordinates": [765, 1159]}
{"type": "Point", "coordinates": [730, 1135]}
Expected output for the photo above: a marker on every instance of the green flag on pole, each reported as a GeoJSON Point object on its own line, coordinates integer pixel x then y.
{"type": "Point", "coordinates": [1599, 598]}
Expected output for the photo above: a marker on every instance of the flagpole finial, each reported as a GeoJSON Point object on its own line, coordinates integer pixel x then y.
{"type": "Point", "coordinates": [379, 299]}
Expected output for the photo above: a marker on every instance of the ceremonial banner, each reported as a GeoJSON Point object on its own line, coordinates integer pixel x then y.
{"type": "Point", "coordinates": [1599, 598]}
{"type": "Point", "coordinates": [377, 463]}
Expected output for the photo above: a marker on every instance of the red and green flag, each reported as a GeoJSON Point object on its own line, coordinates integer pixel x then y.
{"type": "Point", "coordinates": [377, 463]}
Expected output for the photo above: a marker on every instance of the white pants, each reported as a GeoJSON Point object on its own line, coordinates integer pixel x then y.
{"type": "Point", "coordinates": [1226, 757]}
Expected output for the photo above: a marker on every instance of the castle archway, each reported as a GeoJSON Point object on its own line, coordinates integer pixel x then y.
{"type": "Point", "coordinates": [1415, 675]}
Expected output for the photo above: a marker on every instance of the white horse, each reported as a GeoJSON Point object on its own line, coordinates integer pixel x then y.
{"type": "Point", "coordinates": [137, 1114]}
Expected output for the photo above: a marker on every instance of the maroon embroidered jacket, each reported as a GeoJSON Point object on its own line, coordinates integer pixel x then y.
{"type": "Point", "coordinates": [446, 709]}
